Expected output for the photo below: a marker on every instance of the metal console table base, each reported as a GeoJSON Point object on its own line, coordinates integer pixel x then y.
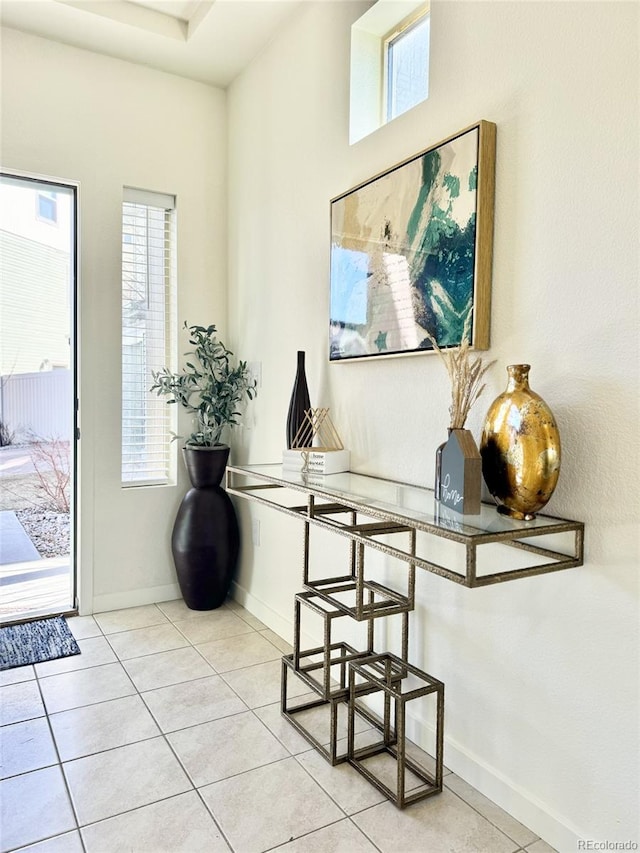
{"type": "Point", "coordinates": [400, 683]}
{"type": "Point", "coordinates": [338, 706]}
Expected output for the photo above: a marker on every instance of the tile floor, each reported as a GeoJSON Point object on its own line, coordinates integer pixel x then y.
{"type": "Point", "coordinates": [165, 735]}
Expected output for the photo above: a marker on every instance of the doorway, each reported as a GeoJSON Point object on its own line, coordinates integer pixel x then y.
{"type": "Point", "coordinates": [38, 397]}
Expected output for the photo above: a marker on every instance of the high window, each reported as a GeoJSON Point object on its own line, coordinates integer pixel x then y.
{"type": "Point", "coordinates": [389, 63]}
{"type": "Point", "coordinates": [148, 334]}
{"type": "Point", "coordinates": [407, 61]}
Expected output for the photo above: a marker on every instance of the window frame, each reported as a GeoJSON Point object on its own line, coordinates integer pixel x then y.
{"type": "Point", "coordinates": [370, 34]}
{"type": "Point", "coordinates": [398, 32]}
{"type": "Point", "coordinates": [168, 205]}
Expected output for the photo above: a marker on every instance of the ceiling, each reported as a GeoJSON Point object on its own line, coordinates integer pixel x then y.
{"type": "Point", "coordinates": [206, 40]}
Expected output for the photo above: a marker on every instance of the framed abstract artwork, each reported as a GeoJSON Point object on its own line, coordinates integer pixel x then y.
{"type": "Point", "coordinates": [411, 252]}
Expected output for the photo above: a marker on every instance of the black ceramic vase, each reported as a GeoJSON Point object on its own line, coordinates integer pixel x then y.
{"type": "Point", "coordinates": [206, 539]}
{"type": "Point", "coordinates": [299, 401]}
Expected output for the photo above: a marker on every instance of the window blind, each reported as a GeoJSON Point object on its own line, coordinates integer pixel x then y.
{"type": "Point", "coordinates": [148, 332]}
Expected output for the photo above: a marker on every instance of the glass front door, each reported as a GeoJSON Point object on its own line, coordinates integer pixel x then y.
{"type": "Point", "coordinates": [37, 397]}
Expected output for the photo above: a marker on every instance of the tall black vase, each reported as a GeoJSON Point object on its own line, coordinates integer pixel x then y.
{"type": "Point", "coordinates": [206, 539]}
{"type": "Point", "coordinates": [299, 401]}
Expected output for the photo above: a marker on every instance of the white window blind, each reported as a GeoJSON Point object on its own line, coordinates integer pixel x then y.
{"type": "Point", "coordinates": [148, 333]}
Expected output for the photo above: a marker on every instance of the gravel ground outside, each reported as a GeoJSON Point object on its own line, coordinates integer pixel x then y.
{"type": "Point", "coordinates": [48, 530]}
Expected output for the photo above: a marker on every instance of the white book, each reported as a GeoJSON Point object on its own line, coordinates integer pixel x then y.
{"type": "Point", "coordinates": [316, 461]}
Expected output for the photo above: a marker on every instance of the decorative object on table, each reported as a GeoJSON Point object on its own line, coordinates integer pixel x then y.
{"type": "Point", "coordinates": [520, 448]}
{"type": "Point", "coordinates": [313, 461]}
{"type": "Point", "coordinates": [459, 473]}
{"type": "Point", "coordinates": [458, 480]}
{"type": "Point", "coordinates": [299, 402]}
{"type": "Point", "coordinates": [317, 447]}
{"type": "Point", "coordinates": [205, 541]}
{"type": "Point", "coordinates": [317, 427]}
{"type": "Point", "coordinates": [411, 251]}
{"type": "Point", "coordinates": [35, 642]}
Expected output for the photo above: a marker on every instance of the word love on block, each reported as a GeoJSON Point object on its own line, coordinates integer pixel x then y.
{"type": "Point", "coordinates": [459, 484]}
{"type": "Point", "coordinates": [449, 495]}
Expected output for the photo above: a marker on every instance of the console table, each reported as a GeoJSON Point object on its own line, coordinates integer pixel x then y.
{"type": "Point", "coordinates": [406, 523]}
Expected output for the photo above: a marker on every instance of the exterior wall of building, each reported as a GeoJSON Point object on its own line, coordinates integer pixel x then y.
{"type": "Point", "coordinates": [34, 306]}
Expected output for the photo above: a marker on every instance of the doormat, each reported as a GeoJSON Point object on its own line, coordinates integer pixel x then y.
{"type": "Point", "coordinates": [34, 642]}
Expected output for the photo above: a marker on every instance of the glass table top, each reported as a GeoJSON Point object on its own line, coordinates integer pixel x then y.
{"type": "Point", "coordinates": [400, 501]}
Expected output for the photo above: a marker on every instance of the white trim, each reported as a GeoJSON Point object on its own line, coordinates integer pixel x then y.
{"type": "Point", "coordinates": [506, 793]}
{"type": "Point", "coordinates": [283, 626]}
{"type": "Point", "coordinates": [146, 19]}
{"type": "Point", "coordinates": [387, 16]}
{"type": "Point", "coordinates": [145, 484]}
{"type": "Point", "coordinates": [135, 597]}
{"type": "Point", "coordinates": [149, 198]}
{"type": "Point", "coordinates": [8, 172]}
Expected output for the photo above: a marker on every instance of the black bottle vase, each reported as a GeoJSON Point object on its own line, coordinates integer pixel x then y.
{"type": "Point", "coordinates": [299, 401]}
{"type": "Point", "coordinates": [206, 539]}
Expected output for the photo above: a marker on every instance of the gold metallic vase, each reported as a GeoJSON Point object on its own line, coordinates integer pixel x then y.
{"type": "Point", "coordinates": [520, 448]}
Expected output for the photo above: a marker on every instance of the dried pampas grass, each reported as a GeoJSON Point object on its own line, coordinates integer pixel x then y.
{"type": "Point", "coordinates": [465, 374]}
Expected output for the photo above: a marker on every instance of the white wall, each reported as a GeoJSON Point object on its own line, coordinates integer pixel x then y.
{"type": "Point", "coordinates": [71, 114]}
{"type": "Point", "coordinates": [541, 674]}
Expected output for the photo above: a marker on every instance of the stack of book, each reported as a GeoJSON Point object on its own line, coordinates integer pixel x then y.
{"type": "Point", "coordinates": [316, 461]}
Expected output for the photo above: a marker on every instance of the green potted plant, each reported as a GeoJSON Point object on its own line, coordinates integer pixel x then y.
{"type": "Point", "coordinates": [205, 541]}
{"type": "Point", "coordinates": [212, 389]}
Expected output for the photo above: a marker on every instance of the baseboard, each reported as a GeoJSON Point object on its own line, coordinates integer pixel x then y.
{"type": "Point", "coordinates": [135, 598]}
{"type": "Point", "coordinates": [283, 626]}
{"type": "Point", "coordinates": [507, 794]}
{"type": "Point", "coordinates": [515, 800]}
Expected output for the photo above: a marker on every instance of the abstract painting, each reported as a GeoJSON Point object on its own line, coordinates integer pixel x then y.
{"type": "Point", "coordinates": [411, 252]}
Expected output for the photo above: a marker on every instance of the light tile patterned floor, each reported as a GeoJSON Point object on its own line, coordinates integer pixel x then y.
{"type": "Point", "coordinates": [166, 735]}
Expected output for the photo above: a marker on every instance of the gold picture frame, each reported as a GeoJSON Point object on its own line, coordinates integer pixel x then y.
{"type": "Point", "coordinates": [412, 252]}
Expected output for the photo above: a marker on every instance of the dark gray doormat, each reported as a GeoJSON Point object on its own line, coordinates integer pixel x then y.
{"type": "Point", "coordinates": [34, 642]}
